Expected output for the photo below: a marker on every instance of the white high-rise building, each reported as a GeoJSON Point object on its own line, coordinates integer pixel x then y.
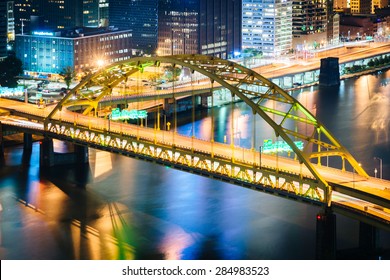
{"type": "Point", "coordinates": [267, 26]}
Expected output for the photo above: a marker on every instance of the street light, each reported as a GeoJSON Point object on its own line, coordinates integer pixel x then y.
{"type": "Point", "coordinates": [375, 171]}
{"type": "Point", "coordinates": [380, 166]}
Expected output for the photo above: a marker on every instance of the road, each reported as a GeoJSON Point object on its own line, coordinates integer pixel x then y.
{"type": "Point", "coordinates": [345, 55]}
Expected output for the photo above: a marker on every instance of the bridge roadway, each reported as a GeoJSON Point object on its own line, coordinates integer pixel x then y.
{"type": "Point", "coordinates": [271, 71]}
{"type": "Point", "coordinates": [369, 197]}
{"type": "Point", "coordinates": [149, 97]}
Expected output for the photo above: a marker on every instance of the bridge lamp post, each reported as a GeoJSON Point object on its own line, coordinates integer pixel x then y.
{"type": "Point", "coordinates": [375, 171]}
{"type": "Point", "coordinates": [380, 167]}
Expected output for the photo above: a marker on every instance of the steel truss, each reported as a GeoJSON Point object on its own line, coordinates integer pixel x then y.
{"type": "Point", "coordinates": [282, 112]}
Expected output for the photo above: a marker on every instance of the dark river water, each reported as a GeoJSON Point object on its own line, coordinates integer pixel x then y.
{"type": "Point", "coordinates": [121, 208]}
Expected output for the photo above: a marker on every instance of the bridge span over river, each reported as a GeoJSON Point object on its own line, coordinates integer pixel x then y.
{"type": "Point", "coordinates": [299, 173]}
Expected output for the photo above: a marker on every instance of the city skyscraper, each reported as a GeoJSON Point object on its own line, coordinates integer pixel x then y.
{"type": "Point", "coordinates": [267, 26]}
{"type": "Point", "coordinates": [3, 29]}
{"type": "Point", "coordinates": [7, 32]}
{"type": "Point", "coordinates": [199, 26]}
{"type": "Point", "coordinates": [332, 23]}
{"type": "Point", "coordinates": [59, 14]}
{"type": "Point", "coordinates": [104, 12]}
{"type": "Point", "coordinates": [139, 16]}
{"type": "Point", "coordinates": [23, 10]}
{"type": "Point", "coordinates": [309, 17]}
{"type": "Point", "coordinates": [62, 14]}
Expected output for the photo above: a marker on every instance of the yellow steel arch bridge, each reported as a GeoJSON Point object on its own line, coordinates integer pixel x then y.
{"type": "Point", "coordinates": [302, 177]}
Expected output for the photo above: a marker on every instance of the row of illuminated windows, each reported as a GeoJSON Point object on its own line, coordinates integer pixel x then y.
{"type": "Point", "coordinates": [115, 37]}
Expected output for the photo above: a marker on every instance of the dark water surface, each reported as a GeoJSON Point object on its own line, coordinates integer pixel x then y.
{"type": "Point", "coordinates": [122, 208]}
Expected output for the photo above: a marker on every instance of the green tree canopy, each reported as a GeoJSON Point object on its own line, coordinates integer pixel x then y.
{"type": "Point", "coordinates": [68, 74]}
{"type": "Point", "coordinates": [10, 67]}
{"type": "Point", "coordinates": [172, 73]}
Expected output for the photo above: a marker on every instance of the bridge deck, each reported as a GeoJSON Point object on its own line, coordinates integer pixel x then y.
{"type": "Point", "coordinates": [369, 195]}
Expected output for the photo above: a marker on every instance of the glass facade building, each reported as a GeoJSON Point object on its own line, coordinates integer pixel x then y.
{"type": "Point", "coordinates": [3, 29]}
{"type": "Point", "coordinates": [267, 26]}
{"type": "Point", "coordinates": [51, 52]}
{"type": "Point", "coordinates": [63, 14]}
{"type": "Point", "coordinates": [23, 10]}
{"type": "Point", "coordinates": [59, 14]}
{"type": "Point", "coordinates": [199, 26]}
{"type": "Point", "coordinates": [139, 16]}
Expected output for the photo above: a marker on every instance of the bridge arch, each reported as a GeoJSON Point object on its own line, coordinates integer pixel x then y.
{"type": "Point", "coordinates": [266, 99]}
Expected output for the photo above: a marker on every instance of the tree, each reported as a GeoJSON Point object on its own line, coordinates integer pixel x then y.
{"type": "Point", "coordinates": [68, 74]}
{"type": "Point", "coordinates": [172, 73]}
{"type": "Point", "coordinates": [10, 67]}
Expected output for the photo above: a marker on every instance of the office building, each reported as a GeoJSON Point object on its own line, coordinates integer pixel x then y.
{"type": "Point", "coordinates": [267, 26]}
{"type": "Point", "coordinates": [104, 12]}
{"type": "Point", "coordinates": [3, 29]}
{"type": "Point", "coordinates": [7, 26]}
{"type": "Point", "coordinates": [361, 6]}
{"type": "Point", "coordinates": [59, 14]}
{"type": "Point", "coordinates": [198, 26]}
{"type": "Point", "coordinates": [378, 4]}
{"type": "Point", "coordinates": [332, 23]}
{"type": "Point", "coordinates": [51, 52]}
{"type": "Point", "coordinates": [23, 10]}
{"type": "Point", "coordinates": [69, 13]}
{"type": "Point", "coordinates": [138, 16]}
{"type": "Point", "coordinates": [341, 4]}
{"type": "Point", "coordinates": [309, 17]}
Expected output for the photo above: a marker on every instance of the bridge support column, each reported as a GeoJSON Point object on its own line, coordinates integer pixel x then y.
{"type": "Point", "coordinates": [204, 99]}
{"type": "Point", "coordinates": [46, 153]}
{"type": "Point", "coordinates": [81, 154]}
{"type": "Point", "coordinates": [49, 158]}
{"type": "Point", "coordinates": [367, 237]}
{"type": "Point", "coordinates": [27, 141]}
{"type": "Point", "coordinates": [329, 72]}
{"type": "Point", "coordinates": [326, 235]}
{"type": "Point", "coordinates": [168, 102]}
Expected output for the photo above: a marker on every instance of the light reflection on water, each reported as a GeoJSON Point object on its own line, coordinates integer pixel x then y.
{"type": "Point", "coordinates": [121, 208]}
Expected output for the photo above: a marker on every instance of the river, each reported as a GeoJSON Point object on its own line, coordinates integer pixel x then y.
{"type": "Point", "coordinates": [121, 208]}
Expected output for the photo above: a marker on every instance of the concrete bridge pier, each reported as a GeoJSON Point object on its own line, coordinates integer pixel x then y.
{"type": "Point", "coordinates": [81, 154]}
{"type": "Point", "coordinates": [27, 141]}
{"type": "Point", "coordinates": [168, 106]}
{"type": "Point", "coordinates": [367, 238]}
{"type": "Point", "coordinates": [326, 235]}
{"type": "Point", "coordinates": [329, 72]}
{"type": "Point", "coordinates": [46, 153]}
{"type": "Point", "coordinates": [204, 99]}
{"type": "Point", "coordinates": [49, 158]}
